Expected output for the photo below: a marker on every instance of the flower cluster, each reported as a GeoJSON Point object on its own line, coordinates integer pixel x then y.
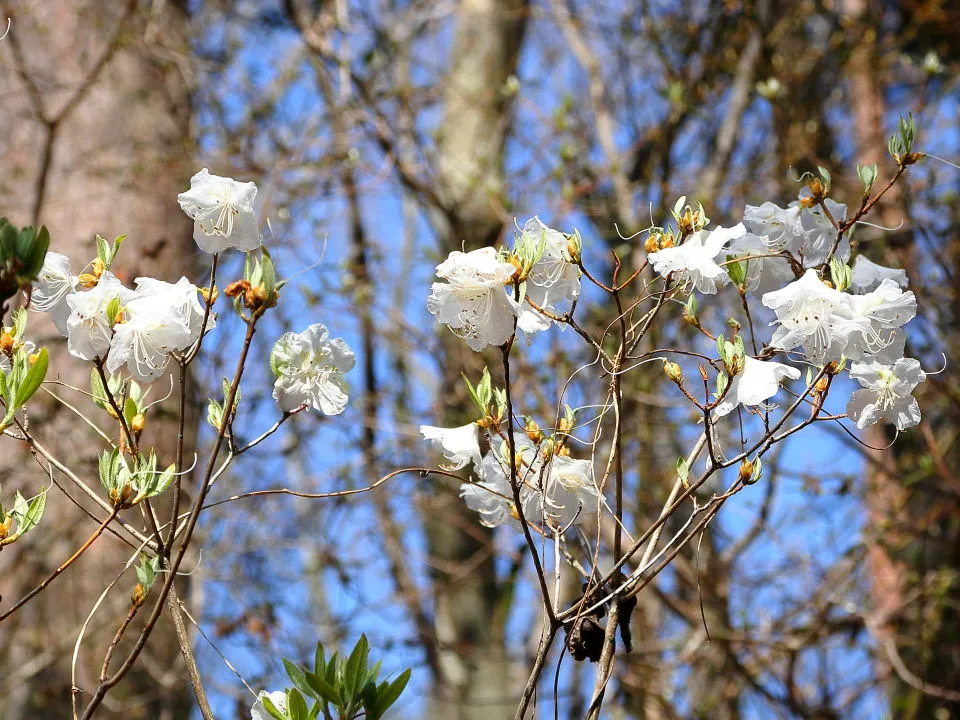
{"type": "Point", "coordinates": [779, 254]}
{"type": "Point", "coordinates": [827, 315]}
{"type": "Point", "coordinates": [488, 294]}
{"type": "Point", "coordinates": [105, 321]}
{"type": "Point", "coordinates": [555, 491]}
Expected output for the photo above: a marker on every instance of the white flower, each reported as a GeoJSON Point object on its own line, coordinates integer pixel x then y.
{"type": "Point", "coordinates": [144, 339]}
{"type": "Point", "coordinates": [49, 292]}
{"type": "Point", "coordinates": [88, 327]}
{"type": "Point", "coordinates": [222, 212]}
{"type": "Point", "coordinates": [802, 231]}
{"type": "Point", "coordinates": [695, 259]}
{"type": "Point", "coordinates": [877, 315]}
{"type": "Point", "coordinates": [473, 302]}
{"type": "Point", "coordinates": [182, 299]}
{"type": "Point", "coordinates": [277, 697]}
{"type": "Point", "coordinates": [819, 234]}
{"type": "Point", "coordinates": [886, 394]}
{"type": "Point", "coordinates": [758, 381]}
{"type": "Point", "coordinates": [491, 497]}
{"type": "Point", "coordinates": [309, 368]}
{"type": "Point", "coordinates": [812, 315]}
{"type": "Point", "coordinates": [867, 275]}
{"type": "Point", "coordinates": [570, 494]}
{"type": "Point", "coordinates": [555, 495]}
{"type": "Point", "coordinates": [764, 274]}
{"type": "Point", "coordinates": [553, 283]}
{"type": "Point", "coordinates": [459, 445]}
{"type": "Point", "coordinates": [778, 228]}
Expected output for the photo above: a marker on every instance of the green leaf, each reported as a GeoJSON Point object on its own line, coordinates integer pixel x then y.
{"type": "Point", "coordinates": [214, 414]}
{"type": "Point", "coordinates": [319, 660]}
{"type": "Point", "coordinates": [388, 697]}
{"type": "Point", "coordinates": [103, 251]}
{"type": "Point", "coordinates": [272, 709]}
{"type": "Point", "coordinates": [296, 705]}
{"type": "Point", "coordinates": [31, 383]}
{"type": "Point", "coordinates": [323, 687]}
{"type": "Point", "coordinates": [356, 668]}
{"type": "Point", "coordinates": [299, 679]}
{"type": "Point", "coordinates": [825, 174]}
{"type": "Point", "coordinates": [19, 324]}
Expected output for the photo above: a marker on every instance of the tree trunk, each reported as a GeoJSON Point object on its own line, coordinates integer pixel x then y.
{"type": "Point", "coordinates": [96, 118]}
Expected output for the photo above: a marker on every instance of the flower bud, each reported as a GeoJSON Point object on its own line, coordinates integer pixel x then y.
{"type": "Point", "coordinates": [564, 451]}
{"type": "Point", "coordinates": [816, 188]}
{"type": "Point", "coordinates": [138, 422]}
{"type": "Point", "coordinates": [138, 595]}
{"type": "Point", "coordinates": [703, 372]}
{"type": "Point", "coordinates": [652, 243]}
{"type": "Point", "coordinates": [98, 267]}
{"type": "Point", "coordinates": [236, 288]}
{"type": "Point", "coordinates": [533, 431]}
{"type": "Point", "coordinates": [574, 248]}
{"type": "Point", "coordinates": [808, 201]}
{"type": "Point", "coordinates": [746, 472]}
{"type": "Point", "coordinates": [5, 527]}
{"type": "Point", "coordinates": [822, 385]}
{"type": "Point", "coordinates": [6, 343]}
{"type": "Point", "coordinates": [673, 371]}
{"type": "Point", "coordinates": [32, 358]}
{"type": "Point", "coordinates": [667, 241]}
{"type": "Point", "coordinates": [205, 294]}
{"type": "Point", "coordinates": [564, 425]}
{"type": "Point", "coordinates": [87, 280]}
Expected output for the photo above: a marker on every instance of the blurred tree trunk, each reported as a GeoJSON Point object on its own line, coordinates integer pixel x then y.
{"type": "Point", "coordinates": [469, 602]}
{"type": "Point", "coordinates": [96, 117]}
{"type": "Point", "coordinates": [914, 549]}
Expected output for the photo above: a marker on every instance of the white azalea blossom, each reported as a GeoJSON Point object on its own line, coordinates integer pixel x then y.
{"type": "Point", "coordinates": [812, 315]}
{"type": "Point", "coordinates": [867, 275]}
{"type": "Point", "coordinates": [887, 393]}
{"type": "Point", "coordinates": [182, 299]}
{"type": "Point", "coordinates": [309, 367]}
{"type": "Point", "coordinates": [557, 494]}
{"type": "Point", "coordinates": [473, 302]}
{"type": "Point", "coordinates": [759, 380]}
{"type": "Point", "coordinates": [764, 274]}
{"type": "Point", "coordinates": [491, 496]}
{"type": "Point", "coordinates": [144, 339]}
{"type": "Point", "coordinates": [88, 328]}
{"type": "Point", "coordinates": [51, 288]}
{"type": "Point", "coordinates": [222, 212]}
{"type": "Point", "coordinates": [819, 234]}
{"type": "Point", "coordinates": [695, 260]}
{"type": "Point", "coordinates": [570, 494]}
{"type": "Point", "coordinates": [553, 283]}
{"type": "Point", "coordinates": [778, 228]}
{"type": "Point", "coordinates": [277, 697]}
{"type": "Point", "coordinates": [805, 232]}
{"type": "Point", "coordinates": [877, 315]}
{"type": "Point", "coordinates": [459, 445]}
